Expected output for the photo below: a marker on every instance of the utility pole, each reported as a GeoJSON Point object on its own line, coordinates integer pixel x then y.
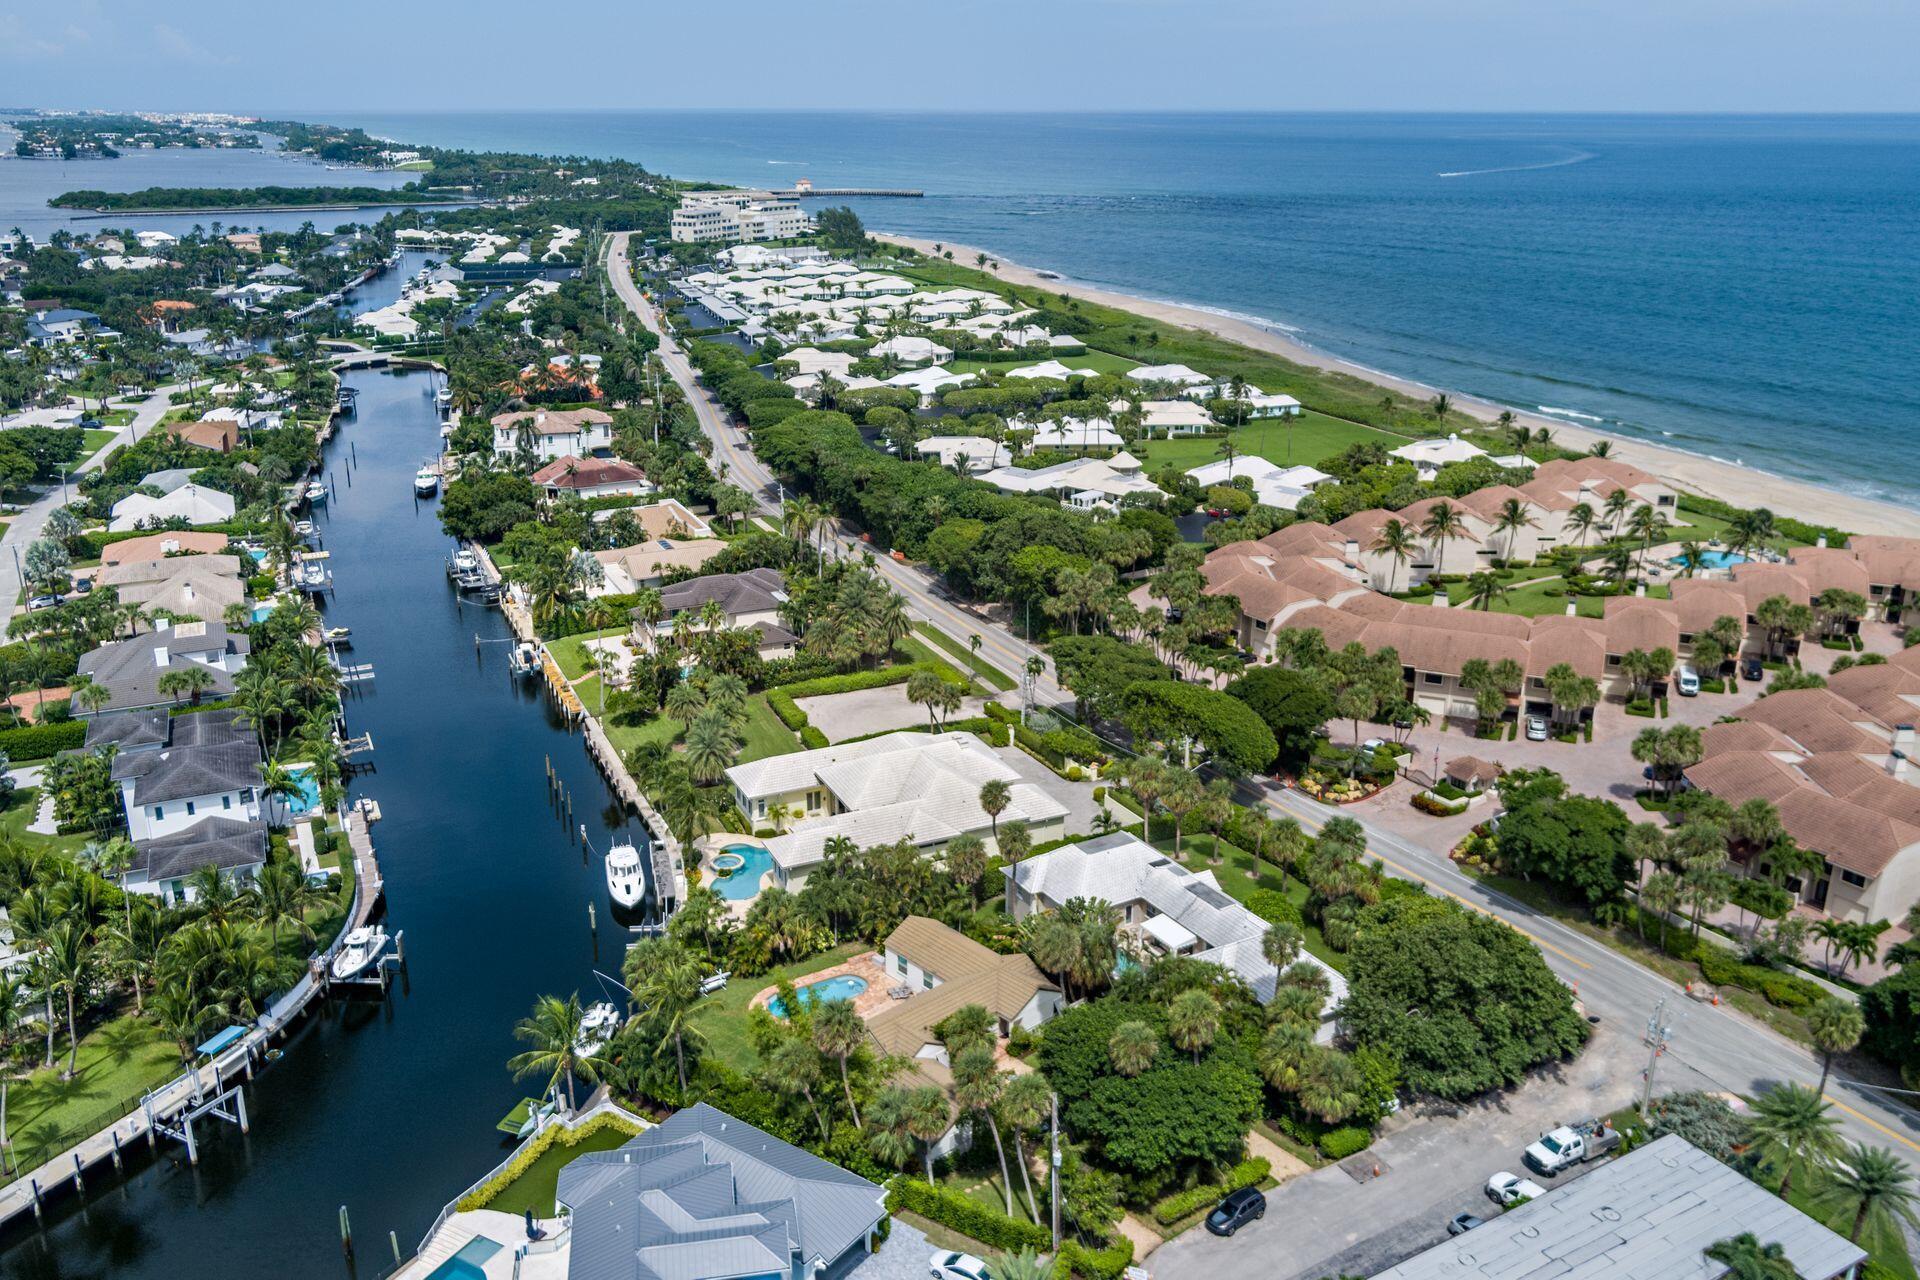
{"type": "Point", "coordinates": [1053, 1120]}
{"type": "Point", "coordinates": [1659, 1031]}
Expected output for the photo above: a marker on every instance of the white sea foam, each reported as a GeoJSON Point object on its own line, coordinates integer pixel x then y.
{"type": "Point", "coordinates": [1569, 413]}
{"type": "Point", "coordinates": [1521, 168]}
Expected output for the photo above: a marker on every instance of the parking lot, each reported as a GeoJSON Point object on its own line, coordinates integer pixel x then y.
{"type": "Point", "coordinates": [1434, 1162]}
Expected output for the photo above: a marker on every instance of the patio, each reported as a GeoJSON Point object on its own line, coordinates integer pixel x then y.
{"type": "Point", "coordinates": [866, 966]}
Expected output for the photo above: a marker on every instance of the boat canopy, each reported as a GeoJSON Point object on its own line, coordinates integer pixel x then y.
{"type": "Point", "coordinates": [228, 1037]}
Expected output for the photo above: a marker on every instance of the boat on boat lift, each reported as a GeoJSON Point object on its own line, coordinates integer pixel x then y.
{"type": "Point", "coordinates": [360, 952]}
{"type": "Point", "coordinates": [339, 635]}
{"type": "Point", "coordinates": [626, 883]}
{"type": "Point", "coordinates": [317, 491]}
{"type": "Point", "coordinates": [303, 528]}
{"type": "Point", "coordinates": [597, 1027]}
{"type": "Point", "coordinates": [425, 481]}
{"type": "Point", "coordinates": [524, 658]}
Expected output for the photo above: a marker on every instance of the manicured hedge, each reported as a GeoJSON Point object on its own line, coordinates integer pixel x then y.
{"type": "Point", "coordinates": [40, 741]}
{"type": "Point", "coordinates": [1094, 1264]}
{"type": "Point", "coordinates": [1274, 906]}
{"type": "Point", "coordinates": [812, 739]}
{"type": "Point", "coordinates": [483, 1195]}
{"type": "Point", "coordinates": [783, 706]}
{"type": "Point", "coordinates": [1245, 1174]}
{"type": "Point", "coordinates": [849, 683]}
{"type": "Point", "coordinates": [1338, 1144]}
{"type": "Point", "coordinates": [967, 1216]}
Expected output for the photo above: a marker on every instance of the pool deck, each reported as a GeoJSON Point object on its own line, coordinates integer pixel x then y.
{"type": "Point", "coordinates": [866, 965]}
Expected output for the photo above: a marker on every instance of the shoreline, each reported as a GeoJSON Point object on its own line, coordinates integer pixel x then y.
{"type": "Point", "coordinates": [87, 214]}
{"type": "Point", "coordinates": [1730, 482]}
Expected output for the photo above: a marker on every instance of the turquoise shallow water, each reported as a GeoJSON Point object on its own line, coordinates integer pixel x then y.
{"type": "Point", "coordinates": [1742, 287]}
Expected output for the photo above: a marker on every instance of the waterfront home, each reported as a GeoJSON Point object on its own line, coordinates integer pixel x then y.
{"type": "Point", "coordinates": [1085, 484]}
{"type": "Point", "coordinates": [972, 454]}
{"type": "Point", "coordinates": [551, 434]}
{"type": "Point", "coordinates": [1175, 418]}
{"type": "Point", "coordinates": [190, 788]}
{"type": "Point", "coordinates": [1271, 404]}
{"type": "Point", "coordinates": [131, 670]}
{"type": "Point", "coordinates": [1070, 435]}
{"type": "Point", "coordinates": [1273, 485]}
{"type": "Point", "coordinates": [1177, 375]}
{"type": "Point", "coordinates": [195, 504]}
{"type": "Point", "coordinates": [178, 587]}
{"type": "Point", "coordinates": [761, 255]}
{"type": "Point", "coordinates": [59, 325]}
{"type": "Point", "coordinates": [899, 786]}
{"type": "Point", "coordinates": [159, 546]}
{"type": "Point", "coordinates": [910, 349]}
{"type": "Point", "coordinates": [592, 478]}
{"type": "Point", "coordinates": [1164, 908]}
{"type": "Point", "coordinates": [705, 1196]}
{"type": "Point", "coordinates": [647, 564]}
{"type": "Point", "coordinates": [665, 518]}
{"type": "Point", "coordinates": [1428, 456]}
{"type": "Point", "coordinates": [746, 601]}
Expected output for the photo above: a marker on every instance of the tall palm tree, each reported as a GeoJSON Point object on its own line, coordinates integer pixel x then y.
{"type": "Point", "coordinates": [1132, 1047]}
{"type": "Point", "coordinates": [1444, 523]}
{"type": "Point", "coordinates": [12, 1011]}
{"type": "Point", "coordinates": [1580, 522]}
{"type": "Point", "coordinates": [794, 1067]}
{"type": "Point", "coordinates": [553, 1031]}
{"type": "Point", "coordinates": [839, 1031]}
{"type": "Point", "coordinates": [68, 964]}
{"type": "Point", "coordinates": [1483, 589]}
{"type": "Point", "coordinates": [1023, 1104]}
{"type": "Point", "coordinates": [1794, 1130]}
{"type": "Point", "coordinates": [927, 1117]}
{"type": "Point", "coordinates": [1514, 516]}
{"type": "Point", "coordinates": [977, 1085]}
{"type": "Point", "coordinates": [1876, 1185]}
{"type": "Point", "coordinates": [995, 796]}
{"type": "Point", "coordinates": [665, 978]}
{"type": "Point", "coordinates": [1396, 540]}
{"type": "Point", "coordinates": [1193, 1020]}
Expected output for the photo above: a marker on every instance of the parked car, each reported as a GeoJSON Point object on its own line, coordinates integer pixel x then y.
{"type": "Point", "coordinates": [1461, 1223]}
{"type": "Point", "coordinates": [1688, 683]}
{"type": "Point", "coordinates": [1504, 1189]}
{"type": "Point", "coordinates": [1753, 669]}
{"type": "Point", "coordinates": [1571, 1144]}
{"type": "Point", "coordinates": [1372, 745]}
{"type": "Point", "coordinates": [959, 1266]}
{"type": "Point", "coordinates": [1236, 1211]}
{"type": "Point", "coordinates": [1536, 728]}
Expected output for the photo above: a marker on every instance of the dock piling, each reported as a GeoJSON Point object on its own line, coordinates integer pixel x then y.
{"type": "Point", "coordinates": [117, 1166]}
{"type": "Point", "coordinates": [346, 1233]}
{"type": "Point", "coordinates": [33, 1185]}
{"type": "Point", "coordinates": [79, 1175]}
{"type": "Point", "coordinates": [593, 921]}
{"type": "Point", "coordinates": [393, 1238]}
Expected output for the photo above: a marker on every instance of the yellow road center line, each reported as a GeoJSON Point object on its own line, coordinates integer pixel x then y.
{"type": "Point", "coordinates": [1869, 1120]}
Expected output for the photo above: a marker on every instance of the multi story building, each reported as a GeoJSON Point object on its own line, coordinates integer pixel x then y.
{"type": "Point", "coordinates": [735, 216]}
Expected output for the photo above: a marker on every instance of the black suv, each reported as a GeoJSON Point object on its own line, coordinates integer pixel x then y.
{"type": "Point", "coordinates": [1752, 669]}
{"type": "Point", "coordinates": [1239, 1208]}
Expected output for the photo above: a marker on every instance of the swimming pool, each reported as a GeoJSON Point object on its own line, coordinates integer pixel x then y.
{"type": "Point", "coordinates": [755, 862]}
{"type": "Point", "coordinates": [262, 610]}
{"type": "Point", "coordinates": [469, 1263]}
{"type": "Point", "coordinates": [843, 987]}
{"type": "Point", "coordinates": [305, 799]}
{"type": "Point", "coordinates": [1712, 560]}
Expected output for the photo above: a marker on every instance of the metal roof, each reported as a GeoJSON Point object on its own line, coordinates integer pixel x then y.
{"type": "Point", "coordinates": [1650, 1215]}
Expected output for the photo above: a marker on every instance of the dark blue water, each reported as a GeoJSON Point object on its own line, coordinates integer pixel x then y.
{"type": "Point", "coordinates": [389, 1109]}
{"type": "Point", "coordinates": [1743, 287]}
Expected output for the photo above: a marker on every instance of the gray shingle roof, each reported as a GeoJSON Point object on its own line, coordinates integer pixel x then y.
{"type": "Point", "coordinates": [704, 1196]}
{"type": "Point", "coordinates": [205, 754]}
{"type": "Point", "coordinates": [218, 842]}
{"type": "Point", "coordinates": [755, 591]}
{"type": "Point", "coordinates": [131, 669]}
{"type": "Point", "coordinates": [128, 730]}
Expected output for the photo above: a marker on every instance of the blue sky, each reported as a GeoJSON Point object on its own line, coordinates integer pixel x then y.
{"type": "Point", "coordinates": [1442, 55]}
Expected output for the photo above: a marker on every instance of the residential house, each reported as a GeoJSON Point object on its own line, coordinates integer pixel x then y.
{"type": "Point", "coordinates": [197, 587]}
{"type": "Point", "coordinates": [59, 325]}
{"type": "Point", "coordinates": [703, 1196]}
{"type": "Point", "coordinates": [192, 503]}
{"type": "Point", "coordinates": [911, 349]}
{"type": "Point", "coordinates": [212, 435]}
{"type": "Point", "coordinates": [1070, 435]}
{"type": "Point", "coordinates": [648, 563]}
{"type": "Point", "coordinates": [1428, 456]}
{"type": "Point", "coordinates": [130, 670]}
{"type": "Point", "coordinates": [551, 434]}
{"type": "Point", "coordinates": [1273, 485]}
{"type": "Point", "coordinates": [1165, 909]}
{"type": "Point", "coordinates": [159, 546]}
{"type": "Point", "coordinates": [1084, 484]}
{"type": "Point", "coordinates": [973, 453]}
{"type": "Point", "coordinates": [592, 478]}
{"type": "Point", "coordinates": [899, 786]}
{"type": "Point", "coordinates": [1172, 374]}
{"type": "Point", "coordinates": [750, 600]}
{"type": "Point", "coordinates": [1175, 418]}
{"type": "Point", "coordinates": [1050, 369]}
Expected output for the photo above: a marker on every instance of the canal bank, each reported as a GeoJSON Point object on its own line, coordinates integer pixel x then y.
{"type": "Point", "coordinates": [383, 1107]}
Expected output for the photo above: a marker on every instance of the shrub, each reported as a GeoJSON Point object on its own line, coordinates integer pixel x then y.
{"type": "Point", "coordinates": [1245, 1174]}
{"type": "Point", "coordinates": [1428, 802]}
{"type": "Point", "coordinates": [968, 1217]}
{"type": "Point", "coordinates": [1094, 1264]}
{"type": "Point", "coordinates": [40, 741]}
{"type": "Point", "coordinates": [812, 739]}
{"type": "Point", "coordinates": [1338, 1144]}
{"type": "Point", "coordinates": [854, 681]}
{"type": "Point", "coordinates": [483, 1195]}
{"type": "Point", "coordinates": [1274, 906]}
{"type": "Point", "coordinates": [784, 707]}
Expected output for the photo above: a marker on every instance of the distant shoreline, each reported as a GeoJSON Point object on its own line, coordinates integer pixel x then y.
{"type": "Point", "coordinates": [82, 215]}
{"type": "Point", "coordinates": [1730, 482]}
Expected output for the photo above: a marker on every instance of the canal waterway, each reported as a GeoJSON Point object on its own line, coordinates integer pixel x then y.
{"type": "Point", "coordinates": [388, 1108]}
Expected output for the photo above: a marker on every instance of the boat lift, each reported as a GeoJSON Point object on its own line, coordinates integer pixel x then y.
{"type": "Point", "coordinates": [224, 1101]}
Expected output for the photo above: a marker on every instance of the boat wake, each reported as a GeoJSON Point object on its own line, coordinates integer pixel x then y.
{"type": "Point", "coordinates": [1576, 158]}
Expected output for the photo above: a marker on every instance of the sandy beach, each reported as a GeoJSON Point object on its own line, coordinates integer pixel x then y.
{"type": "Point", "coordinates": [1742, 486]}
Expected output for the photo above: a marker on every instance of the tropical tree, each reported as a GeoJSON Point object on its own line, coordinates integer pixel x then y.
{"type": "Point", "coordinates": [1133, 1047]}
{"type": "Point", "coordinates": [1747, 1259]}
{"type": "Point", "coordinates": [839, 1032]}
{"type": "Point", "coordinates": [1444, 523]}
{"type": "Point", "coordinates": [794, 1067]}
{"type": "Point", "coordinates": [1398, 541]}
{"type": "Point", "coordinates": [995, 796]}
{"type": "Point", "coordinates": [553, 1031]}
{"type": "Point", "coordinates": [1193, 1020]}
{"type": "Point", "coordinates": [1794, 1131]}
{"type": "Point", "coordinates": [1514, 515]}
{"type": "Point", "coordinates": [12, 1014]}
{"type": "Point", "coordinates": [67, 961]}
{"type": "Point", "coordinates": [1023, 1104]}
{"type": "Point", "coordinates": [1876, 1185]}
{"type": "Point", "coordinates": [1836, 1027]}
{"type": "Point", "coordinates": [1483, 589]}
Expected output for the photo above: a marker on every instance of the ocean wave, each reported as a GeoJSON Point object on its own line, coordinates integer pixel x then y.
{"type": "Point", "coordinates": [1522, 168]}
{"type": "Point", "coordinates": [1568, 413]}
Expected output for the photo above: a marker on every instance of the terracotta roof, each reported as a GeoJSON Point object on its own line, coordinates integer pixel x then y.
{"type": "Point", "coordinates": [1633, 623]}
{"type": "Point", "coordinates": [1742, 735]}
{"type": "Point", "coordinates": [1818, 720]}
{"type": "Point", "coordinates": [1470, 769]}
{"type": "Point", "coordinates": [1890, 694]}
{"type": "Point", "coordinates": [220, 436]}
{"type": "Point", "coordinates": [1578, 642]}
{"type": "Point", "coordinates": [157, 546]}
{"type": "Point", "coordinates": [587, 473]}
{"type": "Point", "coordinates": [944, 952]}
{"type": "Point", "coordinates": [1699, 603]}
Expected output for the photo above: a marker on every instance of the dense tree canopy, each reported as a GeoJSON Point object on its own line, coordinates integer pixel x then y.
{"type": "Point", "coordinates": [1464, 1002]}
{"type": "Point", "coordinates": [1577, 842]}
{"type": "Point", "coordinates": [1293, 704]}
{"type": "Point", "coordinates": [1167, 710]}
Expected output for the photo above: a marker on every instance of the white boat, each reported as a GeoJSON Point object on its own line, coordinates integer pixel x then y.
{"type": "Point", "coordinates": [425, 481]}
{"type": "Point", "coordinates": [524, 660]}
{"type": "Point", "coordinates": [317, 491]}
{"type": "Point", "coordinates": [443, 397]}
{"type": "Point", "coordinates": [339, 635]}
{"type": "Point", "coordinates": [465, 562]}
{"type": "Point", "coordinates": [597, 1026]}
{"type": "Point", "coordinates": [304, 528]}
{"type": "Point", "coordinates": [360, 952]}
{"type": "Point", "coordinates": [625, 881]}
{"type": "Point", "coordinates": [446, 432]}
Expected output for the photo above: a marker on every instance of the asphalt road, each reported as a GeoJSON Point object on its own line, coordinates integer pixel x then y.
{"type": "Point", "coordinates": [1716, 1044]}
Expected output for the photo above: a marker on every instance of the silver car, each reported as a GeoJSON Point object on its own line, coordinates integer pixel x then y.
{"type": "Point", "coordinates": [1536, 728]}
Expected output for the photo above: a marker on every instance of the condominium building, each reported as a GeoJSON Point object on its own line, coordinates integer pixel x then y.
{"type": "Point", "coordinates": [735, 216]}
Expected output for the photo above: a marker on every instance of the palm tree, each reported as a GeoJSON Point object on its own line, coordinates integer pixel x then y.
{"type": "Point", "coordinates": [1876, 1185]}
{"type": "Point", "coordinates": [1284, 1054]}
{"type": "Point", "coordinates": [794, 1067]}
{"type": "Point", "coordinates": [67, 963]}
{"type": "Point", "coordinates": [1748, 1259]}
{"type": "Point", "coordinates": [12, 1009]}
{"type": "Point", "coordinates": [839, 1031]}
{"type": "Point", "coordinates": [1398, 541]}
{"type": "Point", "coordinates": [1444, 523]}
{"type": "Point", "coordinates": [1133, 1047]}
{"type": "Point", "coordinates": [711, 746]}
{"type": "Point", "coordinates": [927, 1117]}
{"type": "Point", "coordinates": [666, 979]}
{"type": "Point", "coordinates": [1023, 1103]}
{"type": "Point", "coordinates": [1514, 516]}
{"type": "Point", "coordinates": [1794, 1129]}
{"type": "Point", "coordinates": [1332, 1087]}
{"type": "Point", "coordinates": [1836, 1026]}
{"type": "Point", "coordinates": [1580, 522]}
{"type": "Point", "coordinates": [977, 1085]}
{"type": "Point", "coordinates": [1483, 588]}
{"type": "Point", "coordinates": [1193, 1020]}
{"type": "Point", "coordinates": [995, 796]}
{"type": "Point", "coordinates": [554, 1032]}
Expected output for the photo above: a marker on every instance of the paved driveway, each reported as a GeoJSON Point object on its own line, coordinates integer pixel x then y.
{"type": "Point", "coordinates": [1435, 1163]}
{"type": "Point", "coordinates": [853, 715]}
{"type": "Point", "coordinates": [903, 1257]}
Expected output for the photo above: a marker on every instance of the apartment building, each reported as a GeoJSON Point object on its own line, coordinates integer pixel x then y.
{"type": "Point", "coordinates": [736, 216]}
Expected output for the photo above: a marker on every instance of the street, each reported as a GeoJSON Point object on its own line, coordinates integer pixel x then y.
{"type": "Point", "coordinates": [1719, 1047]}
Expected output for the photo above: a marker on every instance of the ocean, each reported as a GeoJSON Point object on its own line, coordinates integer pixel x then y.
{"type": "Point", "coordinates": [1739, 287]}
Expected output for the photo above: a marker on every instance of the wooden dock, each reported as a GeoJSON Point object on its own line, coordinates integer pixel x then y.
{"type": "Point", "coordinates": [189, 1090]}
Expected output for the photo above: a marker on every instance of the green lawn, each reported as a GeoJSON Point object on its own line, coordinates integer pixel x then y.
{"type": "Point", "coordinates": [533, 1189]}
{"type": "Point", "coordinates": [1098, 361]}
{"type": "Point", "coordinates": [119, 1061]}
{"type": "Point", "coordinates": [21, 807]}
{"type": "Point", "coordinates": [990, 676]}
{"type": "Point", "coordinates": [913, 649]}
{"type": "Point", "coordinates": [722, 1018]}
{"type": "Point", "coordinates": [95, 439]}
{"type": "Point", "coordinates": [766, 735]}
{"type": "Point", "coordinates": [1307, 439]}
{"type": "Point", "coordinates": [570, 652]}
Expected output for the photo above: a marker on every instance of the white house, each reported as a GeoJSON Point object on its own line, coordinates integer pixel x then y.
{"type": "Point", "coordinates": [929, 381]}
{"type": "Point", "coordinates": [1175, 418]}
{"type": "Point", "coordinates": [1051, 369]}
{"type": "Point", "coordinates": [1266, 404]}
{"type": "Point", "coordinates": [1072, 435]}
{"type": "Point", "coordinates": [809, 360]}
{"type": "Point", "coordinates": [911, 349]}
{"type": "Point", "coordinates": [980, 453]}
{"type": "Point", "coordinates": [1273, 485]}
{"type": "Point", "coordinates": [192, 503]}
{"type": "Point", "coordinates": [552, 434]}
{"type": "Point", "coordinates": [1085, 484]}
{"type": "Point", "coordinates": [1176, 374]}
{"type": "Point", "coordinates": [1428, 456]}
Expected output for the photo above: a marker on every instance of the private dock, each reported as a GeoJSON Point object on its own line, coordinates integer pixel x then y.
{"type": "Point", "coordinates": [867, 193]}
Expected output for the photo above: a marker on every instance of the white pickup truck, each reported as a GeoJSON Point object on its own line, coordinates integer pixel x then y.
{"type": "Point", "coordinates": [1570, 1145]}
